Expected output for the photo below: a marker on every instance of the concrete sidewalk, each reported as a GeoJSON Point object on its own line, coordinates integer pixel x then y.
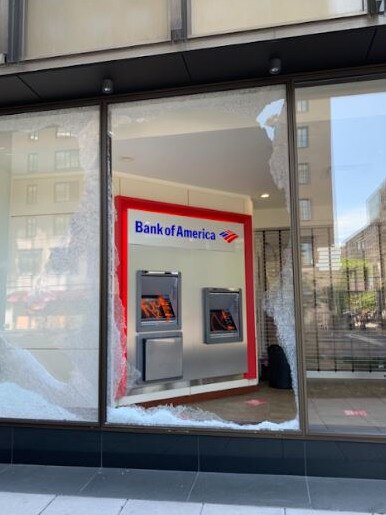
{"type": "Point", "coordinates": [35, 490]}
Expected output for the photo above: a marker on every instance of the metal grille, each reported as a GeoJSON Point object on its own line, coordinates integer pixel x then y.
{"type": "Point", "coordinates": [343, 297]}
{"type": "Point", "coordinates": [269, 250]}
{"type": "Point", "coordinates": [343, 302]}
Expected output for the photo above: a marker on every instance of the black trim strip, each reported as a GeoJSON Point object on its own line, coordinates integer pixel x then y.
{"type": "Point", "coordinates": [105, 178]}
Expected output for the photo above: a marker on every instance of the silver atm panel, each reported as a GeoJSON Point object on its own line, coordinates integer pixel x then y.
{"type": "Point", "coordinates": [161, 357]}
{"type": "Point", "coordinates": [223, 320]}
{"type": "Point", "coordinates": [158, 312]}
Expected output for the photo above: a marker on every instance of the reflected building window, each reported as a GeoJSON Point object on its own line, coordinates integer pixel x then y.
{"type": "Point", "coordinates": [30, 227]}
{"type": "Point", "coordinates": [302, 106]}
{"type": "Point", "coordinates": [306, 252]}
{"type": "Point", "coordinates": [304, 173]}
{"type": "Point", "coordinates": [33, 162]}
{"type": "Point", "coordinates": [374, 205]}
{"type": "Point", "coordinates": [63, 133]}
{"type": "Point", "coordinates": [67, 159]}
{"type": "Point", "coordinates": [302, 137]}
{"type": "Point", "coordinates": [305, 209]}
{"type": "Point", "coordinates": [29, 261]}
{"type": "Point", "coordinates": [66, 191]}
{"type": "Point", "coordinates": [34, 136]}
{"type": "Point", "coordinates": [32, 193]}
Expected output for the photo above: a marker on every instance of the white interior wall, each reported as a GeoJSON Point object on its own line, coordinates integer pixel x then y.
{"type": "Point", "coordinates": [275, 218]}
{"type": "Point", "coordinates": [184, 194]}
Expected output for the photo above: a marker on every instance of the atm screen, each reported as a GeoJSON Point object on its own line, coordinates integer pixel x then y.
{"type": "Point", "coordinates": [221, 321]}
{"type": "Point", "coordinates": [157, 307]}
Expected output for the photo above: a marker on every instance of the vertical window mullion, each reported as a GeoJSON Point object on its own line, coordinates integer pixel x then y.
{"type": "Point", "coordinates": [178, 14]}
{"type": "Point", "coordinates": [105, 228]}
{"type": "Point", "coordinates": [293, 144]}
{"type": "Point", "coordinates": [16, 29]}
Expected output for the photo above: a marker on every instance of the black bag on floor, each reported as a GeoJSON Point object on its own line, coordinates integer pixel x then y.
{"type": "Point", "coordinates": [279, 371]}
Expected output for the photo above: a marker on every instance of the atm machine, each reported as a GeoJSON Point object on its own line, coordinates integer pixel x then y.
{"type": "Point", "coordinates": [223, 320]}
{"type": "Point", "coordinates": [187, 300]}
{"type": "Point", "coordinates": [159, 348]}
{"type": "Point", "coordinates": [158, 325]}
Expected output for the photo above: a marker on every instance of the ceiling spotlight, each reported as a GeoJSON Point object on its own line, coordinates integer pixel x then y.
{"type": "Point", "coordinates": [264, 195]}
{"type": "Point", "coordinates": [274, 65]}
{"type": "Point", "coordinates": [107, 86]}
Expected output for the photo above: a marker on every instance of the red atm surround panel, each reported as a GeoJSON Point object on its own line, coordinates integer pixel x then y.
{"type": "Point", "coordinates": [122, 204]}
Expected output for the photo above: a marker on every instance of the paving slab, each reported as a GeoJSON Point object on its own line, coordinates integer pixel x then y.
{"type": "Point", "coordinates": [251, 489]}
{"type": "Point", "coordinates": [220, 509]}
{"type": "Point", "coordinates": [137, 507]}
{"type": "Point", "coordinates": [23, 504]}
{"type": "Point", "coordinates": [292, 511]}
{"type": "Point", "coordinates": [161, 485]}
{"type": "Point", "coordinates": [67, 505]}
{"type": "Point", "coordinates": [342, 494]}
{"type": "Point", "coordinates": [40, 479]}
{"type": "Point", "coordinates": [47, 490]}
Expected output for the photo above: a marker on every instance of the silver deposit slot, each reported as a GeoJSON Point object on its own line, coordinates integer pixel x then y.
{"type": "Point", "coordinates": [162, 357]}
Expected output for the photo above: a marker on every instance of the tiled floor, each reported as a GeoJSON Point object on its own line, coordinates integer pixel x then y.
{"type": "Point", "coordinates": [354, 406]}
{"type": "Point", "coordinates": [334, 405]}
{"type": "Point", "coordinates": [41, 490]}
{"type": "Point", "coordinates": [264, 404]}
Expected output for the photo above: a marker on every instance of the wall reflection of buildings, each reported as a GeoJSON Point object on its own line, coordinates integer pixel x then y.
{"type": "Point", "coordinates": [365, 255]}
{"type": "Point", "coordinates": [317, 236]}
{"type": "Point", "coordinates": [343, 285]}
{"type": "Point", "coordinates": [44, 281]}
{"type": "Point", "coordinates": [318, 251]}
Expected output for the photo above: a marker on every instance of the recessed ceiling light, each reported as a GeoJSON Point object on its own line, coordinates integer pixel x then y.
{"type": "Point", "coordinates": [107, 86]}
{"type": "Point", "coordinates": [265, 195]}
{"type": "Point", "coordinates": [274, 65]}
{"type": "Point", "coordinates": [127, 159]}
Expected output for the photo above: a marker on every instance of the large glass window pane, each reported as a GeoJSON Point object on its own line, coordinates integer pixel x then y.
{"type": "Point", "coordinates": [49, 267]}
{"type": "Point", "coordinates": [220, 16]}
{"type": "Point", "coordinates": [56, 27]}
{"type": "Point", "coordinates": [203, 263]}
{"type": "Point", "coordinates": [343, 232]}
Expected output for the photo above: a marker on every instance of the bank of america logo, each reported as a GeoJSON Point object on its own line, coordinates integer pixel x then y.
{"type": "Point", "coordinates": [229, 235]}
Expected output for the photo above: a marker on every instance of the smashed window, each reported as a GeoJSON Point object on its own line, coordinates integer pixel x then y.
{"type": "Point", "coordinates": [49, 296]}
{"type": "Point", "coordinates": [202, 313]}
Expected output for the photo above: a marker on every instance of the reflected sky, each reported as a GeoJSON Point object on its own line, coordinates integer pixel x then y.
{"type": "Point", "coordinates": [358, 126]}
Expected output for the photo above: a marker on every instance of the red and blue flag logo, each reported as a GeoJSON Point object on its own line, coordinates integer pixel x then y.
{"type": "Point", "coordinates": [229, 235]}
